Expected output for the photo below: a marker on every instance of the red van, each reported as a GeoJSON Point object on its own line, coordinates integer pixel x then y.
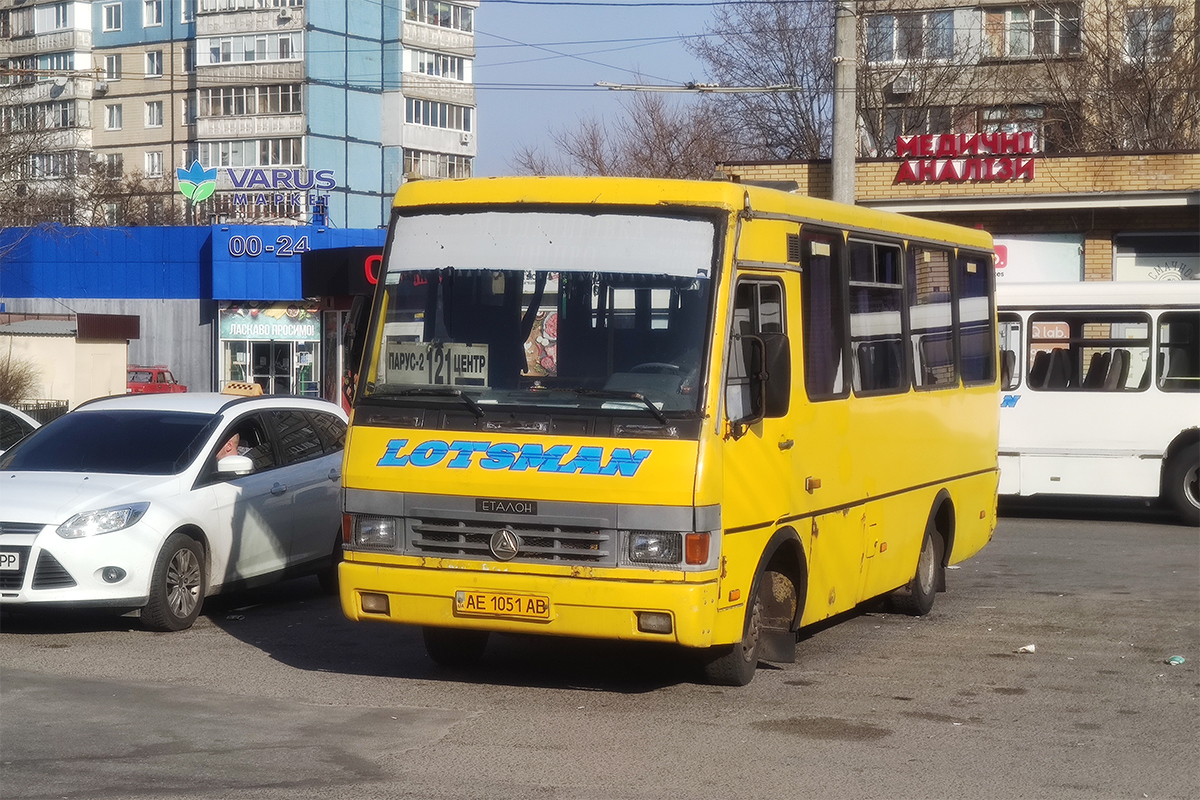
{"type": "Point", "coordinates": [151, 380]}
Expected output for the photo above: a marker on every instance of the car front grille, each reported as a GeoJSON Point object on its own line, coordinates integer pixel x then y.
{"type": "Point", "coordinates": [12, 579]}
{"type": "Point", "coordinates": [538, 543]}
{"type": "Point", "coordinates": [49, 574]}
{"type": "Point", "coordinates": [27, 528]}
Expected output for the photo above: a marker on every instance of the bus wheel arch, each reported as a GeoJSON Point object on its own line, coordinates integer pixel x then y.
{"type": "Point", "coordinates": [774, 607]}
{"type": "Point", "coordinates": [941, 520]}
{"type": "Point", "coordinates": [916, 597]}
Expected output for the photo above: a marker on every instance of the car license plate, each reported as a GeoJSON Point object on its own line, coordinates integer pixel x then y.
{"type": "Point", "coordinates": [495, 604]}
{"type": "Point", "coordinates": [10, 560]}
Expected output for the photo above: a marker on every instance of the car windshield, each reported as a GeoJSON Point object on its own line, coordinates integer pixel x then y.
{"type": "Point", "coordinates": [551, 311]}
{"type": "Point", "coordinates": [126, 442]}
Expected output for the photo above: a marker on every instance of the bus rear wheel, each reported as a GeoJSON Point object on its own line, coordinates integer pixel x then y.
{"type": "Point", "coordinates": [916, 599]}
{"type": "Point", "coordinates": [454, 647]}
{"type": "Point", "coordinates": [1181, 484]}
{"type": "Point", "coordinates": [735, 665]}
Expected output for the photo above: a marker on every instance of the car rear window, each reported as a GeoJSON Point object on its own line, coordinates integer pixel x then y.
{"type": "Point", "coordinates": [124, 442]}
{"type": "Point", "coordinates": [140, 377]}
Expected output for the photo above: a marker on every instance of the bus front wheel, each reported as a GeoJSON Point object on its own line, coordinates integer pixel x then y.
{"type": "Point", "coordinates": [1181, 483]}
{"type": "Point", "coordinates": [454, 647]}
{"type": "Point", "coordinates": [735, 665]}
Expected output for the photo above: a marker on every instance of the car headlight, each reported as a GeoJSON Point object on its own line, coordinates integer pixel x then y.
{"type": "Point", "coordinates": [655, 547]}
{"type": "Point", "coordinates": [104, 520]}
{"type": "Point", "coordinates": [377, 533]}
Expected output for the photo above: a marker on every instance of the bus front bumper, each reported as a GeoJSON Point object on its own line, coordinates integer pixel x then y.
{"type": "Point", "coordinates": [574, 606]}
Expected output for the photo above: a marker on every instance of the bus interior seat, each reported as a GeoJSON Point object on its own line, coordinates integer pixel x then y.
{"type": "Point", "coordinates": [1039, 368]}
{"type": "Point", "coordinates": [1178, 370]}
{"type": "Point", "coordinates": [1145, 380]}
{"type": "Point", "coordinates": [1118, 372]}
{"type": "Point", "coordinates": [1097, 370]}
{"type": "Point", "coordinates": [879, 365]}
{"type": "Point", "coordinates": [1008, 368]}
{"type": "Point", "coordinates": [1058, 375]}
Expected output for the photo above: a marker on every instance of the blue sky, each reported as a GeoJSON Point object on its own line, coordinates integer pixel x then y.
{"type": "Point", "coordinates": [518, 47]}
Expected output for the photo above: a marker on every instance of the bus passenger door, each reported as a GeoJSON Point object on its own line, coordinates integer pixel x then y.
{"type": "Point", "coordinates": [757, 456]}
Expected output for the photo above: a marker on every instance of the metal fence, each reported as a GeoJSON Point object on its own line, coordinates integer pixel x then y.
{"type": "Point", "coordinates": [44, 410]}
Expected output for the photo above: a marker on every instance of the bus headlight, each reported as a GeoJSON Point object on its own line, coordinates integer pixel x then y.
{"type": "Point", "coordinates": [375, 533]}
{"type": "Point", "coordinates": [655, 547]}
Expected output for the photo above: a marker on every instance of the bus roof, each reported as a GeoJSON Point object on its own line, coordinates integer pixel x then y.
{"type": "Point", "coordinates": [1098, 294]}
{"type": "Point", "coordinates": [663, 192]}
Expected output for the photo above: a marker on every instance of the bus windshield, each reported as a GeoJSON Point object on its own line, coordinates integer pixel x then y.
{"type": "Point", "coordinates": [555, 311]}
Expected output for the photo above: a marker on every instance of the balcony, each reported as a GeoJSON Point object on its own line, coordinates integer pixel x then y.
{"type": "Point", "coordinates": [431, 37]}
{"type": "Point", "coordinates": [56, 42]}
{"type": "Point", "coordinates": [250, 127]}
{"type": "Point", "coordinates": [272, 20]}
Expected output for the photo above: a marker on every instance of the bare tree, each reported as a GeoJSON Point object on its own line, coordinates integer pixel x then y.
{"type": "Point", "coordinates": [653, 137]}
{"type": "Point", "coordinates": [774, 44]}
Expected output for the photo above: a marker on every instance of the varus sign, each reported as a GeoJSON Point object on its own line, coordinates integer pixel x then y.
{"type": "Point", "coordinates": [961, 157]}
{"type": "Point", "coordinates": [257, 186]}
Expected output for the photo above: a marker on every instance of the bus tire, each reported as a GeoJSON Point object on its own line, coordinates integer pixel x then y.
{"type": "Point", "coordinates": [916, 598]}
{"type": "Point", "coordinates": [1181, 484]}
{"type": "Point", "coordinates": [454, 647]}
{"type": "Point", "coordinates": [177, 585]}
{"type": "Point", "coordinates": [734, 665]}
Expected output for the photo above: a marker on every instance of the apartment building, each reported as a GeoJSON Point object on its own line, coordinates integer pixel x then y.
{"type": "Point", "coordinates": [308, 112]}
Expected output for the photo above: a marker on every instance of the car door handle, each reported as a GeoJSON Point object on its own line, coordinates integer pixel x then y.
{"type": "Point", "coordinates": [334, 474]}
{"type": "Point", "coordinates": [278, 489]}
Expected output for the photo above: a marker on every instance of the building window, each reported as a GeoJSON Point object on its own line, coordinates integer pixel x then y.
{"type": "Point", "coordinates": [254, 47]}
{"type": "Point", "coordinates": [891, 122]}
{"type": "Point", "coordinates": [17, 23]}
{"type": "Point", "coordinates": [436, 165]}
{"type": "Point", "coordinates": [113, 165]}
{"type": "Point", "coordinates": [1150, 33]}
{"type": "Point", "coordinates": [189, 111]}
{"type": "Point", "coordinates": [59, 114]}
{"type": "Point", "coordinates": [154, 164]}
{"type": "Point", "coordinates": [113, 117]}
{"type": "Point", "coordinates": [154, 64]}
{"type": "Point", "coordinates": [437, 115]}
{"type": "Point", "coordinates": [441, 14]}
{"type": "Point", "coordinates": [1008, 32]}
{"type": "Point", "coordinates": [154, 114]}
{"type": "Point", "coordinates": [910, 37]}
{"type": "Point", "coordinates": [439, 65]}
{"type": "Point", "coordinates": [241, 5]}
{"type": "Point", "coordinates": [55, 62]}
{"type": "Point", "coordinates": [1056, 30]}
{"type": "Point", "coordinates": [1015, 119]}
{"type": "Point", "coordinates": [189, 58]}
{"type": "Point", "coordinates": [112, 17]}
{"type": "Point", "coordinates": [187, 11]}
{"type": "Point", "coordinates": [236, 101]}
{"type": "Point", "coordinates": [112, 68]}
{"type": "Point", "coordinates": [61, 17]}
{"type": "Point", "coordinates": [252, 153]}
{"type": "Point", "coordinates": [152, 13]}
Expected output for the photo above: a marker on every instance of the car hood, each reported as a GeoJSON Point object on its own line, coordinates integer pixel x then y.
{"type": "Point", "coordinates": [51, 498]}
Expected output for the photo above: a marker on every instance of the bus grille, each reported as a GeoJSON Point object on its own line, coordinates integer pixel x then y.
{"type": "Point", "coordinates": [539, 543]}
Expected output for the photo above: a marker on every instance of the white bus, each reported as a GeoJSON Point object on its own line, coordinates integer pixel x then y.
{"type": "Point", "coordinates": [1100, 390]}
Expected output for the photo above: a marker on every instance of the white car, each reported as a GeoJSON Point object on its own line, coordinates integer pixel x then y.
{"type": "Point", "coordinates": [124, 503]}
{"type": "Point", "coordinates": [15, 425]}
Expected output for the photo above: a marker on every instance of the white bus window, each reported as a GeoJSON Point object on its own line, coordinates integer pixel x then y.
{"type": "Point", "coordinates": [1179, 351]}
{"type": "Point", "coordinates": [1089, 352]}
{"type": "Point", "coordinates": [931, 320]}
{"type": "Point", "coordinates": [876, 335]}
{"type": "Point", "coordinates": [1010, 349]}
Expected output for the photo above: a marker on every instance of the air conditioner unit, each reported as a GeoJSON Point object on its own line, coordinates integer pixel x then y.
{"type": "Point", "coordinates": [904, 83]}
{"type": "Point", "coordinates": [465, 139]}
{"type": "Point", "coordinates": [100, 87]}
{"type": "Point", "coordinates": [285, 12]}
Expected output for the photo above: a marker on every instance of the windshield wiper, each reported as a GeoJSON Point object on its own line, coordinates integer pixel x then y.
{"type": "Point", "coordinates": [437, 391]}
{"type": "Point", "coordinates": [619, 395]}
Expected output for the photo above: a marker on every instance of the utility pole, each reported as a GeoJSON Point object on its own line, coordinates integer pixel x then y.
{"type": "Point", "coordinates": [845, 112]}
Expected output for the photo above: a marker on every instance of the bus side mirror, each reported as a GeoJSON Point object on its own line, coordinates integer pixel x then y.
{"type": "Point", "coordinates": [769, 364]}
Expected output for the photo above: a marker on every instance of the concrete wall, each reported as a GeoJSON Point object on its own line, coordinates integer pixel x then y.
{"type": "Point", "coordinates": [70, 370]}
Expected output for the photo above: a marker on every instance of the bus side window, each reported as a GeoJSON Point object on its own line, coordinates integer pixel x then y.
{"type": "Point", "coordinates": [931, 321]}
{"type": "Point", "coordinates": [824, 315]}
{"type": "Point", "coordinates": [1010, 346]}
{"type": "Point", "coordinates": [1179, 351]}
{"type": "Point", "coordinates": [876, 335]}
{"type": "Point", "coordinates": [976, 343]}
{"type": "Point", "coordinates": [757, 309]}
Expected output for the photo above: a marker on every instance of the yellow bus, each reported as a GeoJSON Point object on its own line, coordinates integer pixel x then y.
{"type": "Point", "coordinates": [704, 413]}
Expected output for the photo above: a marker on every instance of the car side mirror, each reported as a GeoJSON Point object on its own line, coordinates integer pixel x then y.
{"type": "Point", "coordinates": [231, 466]}
{"type": "Point", "coordinates": [769, 368]}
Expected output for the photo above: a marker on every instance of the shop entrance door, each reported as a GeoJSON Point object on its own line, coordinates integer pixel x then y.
{"type": "Point", "coordinates": [272, 365]}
